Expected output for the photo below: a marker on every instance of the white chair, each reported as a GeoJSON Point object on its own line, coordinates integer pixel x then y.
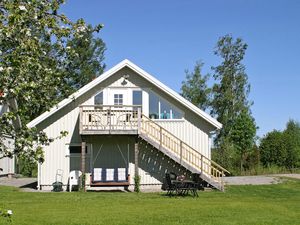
{"type": "Point", "coordinates": [74, 178]}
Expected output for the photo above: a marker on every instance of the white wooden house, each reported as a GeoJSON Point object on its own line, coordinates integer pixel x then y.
{"type": "Point", "coordinates": [7, 165]}
{"type": "Point", "coordinates": [123, 124]}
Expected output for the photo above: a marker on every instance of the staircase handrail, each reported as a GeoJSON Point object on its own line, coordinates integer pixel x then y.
{"type": "Point", "coordinates": [219, 167]}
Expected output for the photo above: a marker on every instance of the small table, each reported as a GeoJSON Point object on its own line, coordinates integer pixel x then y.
{"type": "Point", "coordinates": [183, 187]}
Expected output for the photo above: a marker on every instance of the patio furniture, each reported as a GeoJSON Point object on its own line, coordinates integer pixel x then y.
{"type": "Point", "coordinates": [170, 186]}
{"type": "Point", "coordinates": [110, 177]}
{"type": "Point", "coordinates": [183, 187]}
{"type": "Point", "coordinates": [74, 179]}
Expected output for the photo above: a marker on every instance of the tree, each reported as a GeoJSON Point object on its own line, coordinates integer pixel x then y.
{"type": "Point", "coordinates": [86, 61]}
{"type": "Point", "coordinates": [273, 149]}
{"type": "Point", "coordinates": [195, 89]}
{"type": "Point", "coordinates": [282, 148]}
{"type": "Point", "coordinates": [34, 52]}
{"type": "Point", "coordinates": [243, 135]}
{"type": "Point", "coordinates": [292, 140]}
{"type": "Point", "coordinates": [230, 104]}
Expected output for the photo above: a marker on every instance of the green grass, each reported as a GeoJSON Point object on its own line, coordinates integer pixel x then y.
{"type": "Point", "coordinates": [266, 204]}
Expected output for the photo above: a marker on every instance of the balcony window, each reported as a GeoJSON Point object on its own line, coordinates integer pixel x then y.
{"type": "Point", "coordinates": [159, 108]}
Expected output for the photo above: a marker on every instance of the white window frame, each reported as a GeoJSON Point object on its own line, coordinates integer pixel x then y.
{"type": "Point", "coordinates": [170, 112]}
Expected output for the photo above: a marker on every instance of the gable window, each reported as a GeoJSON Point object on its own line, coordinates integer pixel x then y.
{"type": "Point", "coordinates": [98, 100]}
{"type": "Point", "coordinates": [159, 108]}
{"type": "Point", "coordinates": [118, 99]}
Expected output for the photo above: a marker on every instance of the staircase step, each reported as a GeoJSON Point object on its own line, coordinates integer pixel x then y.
{"type": "Point", "coordinates": [157, 141]}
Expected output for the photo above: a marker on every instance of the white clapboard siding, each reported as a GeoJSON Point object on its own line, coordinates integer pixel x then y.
{"type": "Point", "coordinates": [7, 165]}
{"type": "Point", "coordinates": [188, 133]}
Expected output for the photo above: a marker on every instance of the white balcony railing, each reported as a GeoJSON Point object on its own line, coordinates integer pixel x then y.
{"type": "Point", "coordinates": [106, 118]}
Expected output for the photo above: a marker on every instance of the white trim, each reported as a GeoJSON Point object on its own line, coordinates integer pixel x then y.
{"type": "Point", "coordinates": [168, 120]}
{"type": "Point", "coordinates": [110, 72]}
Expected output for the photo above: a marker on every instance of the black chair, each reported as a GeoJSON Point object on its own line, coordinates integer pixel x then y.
{"type": "Point", "coordinates": [198, 183]}
{"type": "Point", "coordinates": [173, 176]}
{"type": "Point", "coordinates": [170, 187]}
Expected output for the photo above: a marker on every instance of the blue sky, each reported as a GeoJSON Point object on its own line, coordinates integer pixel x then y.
{"type": "Point", "coordinates": [167, 37]}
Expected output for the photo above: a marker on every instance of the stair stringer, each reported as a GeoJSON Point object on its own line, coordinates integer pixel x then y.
{"type": "Point", "coordinates": [185, 164]}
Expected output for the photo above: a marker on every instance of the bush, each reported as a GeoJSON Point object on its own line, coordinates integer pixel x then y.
{"type": "Point", "coordinates": [137, 184]}
{"type": "Point", "coordinates": [27, 167]}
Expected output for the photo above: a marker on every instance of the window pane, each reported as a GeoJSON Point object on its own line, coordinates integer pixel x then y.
{"type": "Point", "coordinates": [118, 99]}
{"type": "Point", "coordinates": [76, 149]}
{"type": "Point", "coordinates": [176, 114]}
{"type": "Point", "coordinates": [98, 100]}
{"type": "Point", "coordinates": [165, 109]}
{"type": "Point", "coordinates": [137, 98]}
{"type": "Point", "coordinates": [153, 106]}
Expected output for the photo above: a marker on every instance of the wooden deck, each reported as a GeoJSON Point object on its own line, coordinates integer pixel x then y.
{"type": "Point", "coordinates": [108, 120]}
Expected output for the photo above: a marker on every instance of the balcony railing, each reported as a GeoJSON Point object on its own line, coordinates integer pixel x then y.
{"type": "Point", "coordinates": [106, 119]}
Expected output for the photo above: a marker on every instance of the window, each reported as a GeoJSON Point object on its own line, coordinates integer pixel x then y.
{"type": "Point", "coordinates": [76, 149]}
{"type": "Point", "coordinates": [98, 100]}
{"type": "Point", "coordinates": [118, 99]}
{"type": "Point", "coordinates": [137, 98]}
{"type": "Point", "coordinates": [153, 106]}
{"type": "Point", "coordinates": [159, 108]}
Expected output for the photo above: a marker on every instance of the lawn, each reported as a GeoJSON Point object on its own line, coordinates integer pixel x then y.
{"type": "Point", "coordinates": [266, 204]}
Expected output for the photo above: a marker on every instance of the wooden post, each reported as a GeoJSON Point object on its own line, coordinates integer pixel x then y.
{"type": "Point", "coordinates": [160, 137]}
{"type": "Point", "coordinates": [83, 147]}
{"type": "Point", "coordinates": [180, 152]}
{"type": "Point", "coordinates": [80, 119]}
{"type": "Point", "coordinates": [201, 164]}
{"type": "Point", "coordinates": [109, 118]}
{"type": "Point", "coordinates": [136, 158]}
{"type": "Point", "coordinates": [139, 120]}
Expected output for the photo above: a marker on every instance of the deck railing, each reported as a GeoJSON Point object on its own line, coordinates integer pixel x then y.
{"type": "Point", "coordinates": [109, 117]}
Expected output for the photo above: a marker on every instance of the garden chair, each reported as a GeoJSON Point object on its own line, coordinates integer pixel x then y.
{"type": "Point", "coordinates": [74, 179]}
{"type": "Point", "coordinates": [170, 187]}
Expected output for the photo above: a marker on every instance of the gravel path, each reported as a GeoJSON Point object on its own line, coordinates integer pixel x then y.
{"type": "Point", "coordinates": [258, 180]}
{"type": "Point", "coordinates": [26, 184]}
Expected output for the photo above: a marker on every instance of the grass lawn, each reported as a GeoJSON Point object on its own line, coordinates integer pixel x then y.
{"type": "Point", "coordinates": [266, 204]}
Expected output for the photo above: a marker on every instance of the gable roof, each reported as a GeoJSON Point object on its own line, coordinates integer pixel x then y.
{"type": "Point", "coordinates": [139, 71]}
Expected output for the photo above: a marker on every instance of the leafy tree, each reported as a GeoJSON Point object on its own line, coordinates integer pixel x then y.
{"type": "Point", "coordinates": [273, 149]}
{"type": "Point", "coordinates": [292, 140]}
{"type": "Point", "coordinates": [195, 89]}
{"type": "Point", "coordinates": [282, 148]}
{"type": "Point", "coordinates": [243, 135]}
{"type": "Point", "coordinates": [34, 53]}
{"type": "Point", "coordinates": [230, 104]}
{"type": "Point", "coordinates": [86, 61]}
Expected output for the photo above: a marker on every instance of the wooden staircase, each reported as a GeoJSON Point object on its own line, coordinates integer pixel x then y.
{"type": "Point", "coordinates": [181, 152]}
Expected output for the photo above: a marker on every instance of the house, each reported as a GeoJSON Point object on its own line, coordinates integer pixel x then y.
{"type": "Point", "coordinates": [7, 164]}
{"type": "Point", "coordinates": [123, 124]}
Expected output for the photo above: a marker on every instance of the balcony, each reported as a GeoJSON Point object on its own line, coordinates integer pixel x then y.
{"type": "Point", "coordinates": [109, 119]}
